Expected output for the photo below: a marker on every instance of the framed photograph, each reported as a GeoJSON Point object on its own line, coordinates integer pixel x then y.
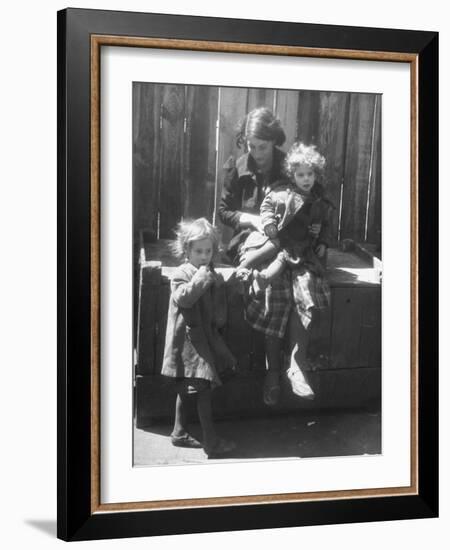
{"type": "Point", "coordinates": [247, 274]}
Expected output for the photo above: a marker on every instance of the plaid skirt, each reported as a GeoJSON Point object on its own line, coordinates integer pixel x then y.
{"type": "Point", "coordinates": [310, 291]}
{"type": "Point", "coordinates": [270, 314]}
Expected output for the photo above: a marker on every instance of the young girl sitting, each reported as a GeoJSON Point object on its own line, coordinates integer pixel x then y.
{"type": "Point", "coordinates": [195, 354]}
{"type": "Point", "coordinates": [295, 218]}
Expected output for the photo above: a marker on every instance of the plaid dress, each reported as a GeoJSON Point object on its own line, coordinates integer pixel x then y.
{"type": "Point", "coordinates": [271, 313]}
{"type": "Point", "coordinates": [311, 291]}
{"type": "Point", "coordinates": [303, 284]}
{"type": "Point", "coordinates": [299, 287]}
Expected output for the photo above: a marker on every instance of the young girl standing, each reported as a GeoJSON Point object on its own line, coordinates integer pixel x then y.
{"type": "Point", "coordinates": [195, 354]}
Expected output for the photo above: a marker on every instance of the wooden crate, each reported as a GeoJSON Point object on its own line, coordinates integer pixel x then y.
{"type": "Point", "coordinates": [344, 354]}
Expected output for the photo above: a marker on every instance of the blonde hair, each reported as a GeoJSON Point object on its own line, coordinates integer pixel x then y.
{"type": "Point", "coordinates": [189, 231]}
{"type": "Point", "coordinates": [300, 153]}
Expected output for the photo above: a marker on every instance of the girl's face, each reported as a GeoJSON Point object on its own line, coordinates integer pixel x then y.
{"type": "Point", "coordinates": [200, 252]}
{"type": "Point", "coordinates": [304, 177]}
{"type": "Point", "coordinates": [261, 151]}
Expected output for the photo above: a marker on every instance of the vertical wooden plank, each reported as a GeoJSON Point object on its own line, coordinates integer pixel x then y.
{"type": "Point", "coordinates": [145, 136]}
{"type": "Point", "coordinates": [162, 309]}
{"type": "Point", "coordinates": [171, 191]}
{"type": "Point", "coordinates": [319, 346]}
{"type": "Point", "coordinates": [346, 327]}
{"type": "Point", "coordinates": [331, 143]}
{"type": "Point", "coordinates": [200, 151]}
{"type": "Point", "coordinates": [233, 105]}
{"type": "Point", "coordinates": [149, 290]}
{"type": "Point", "coordinates": [287, 111]}
{"type": "Point", "coordinates": [308, 117]}
{"type": "Point", "coordinates": [374, 214]}
{"type": "Point", "coordinates": [357, 166]}
{"type": "Point", "coordinates": [145, 173]}
{"type": "Point", "coordinates": [370, 341]}
{"type": "Point", "coordinates": [260, 97]}
{"type": "Point", "coordinates": [238, 333]}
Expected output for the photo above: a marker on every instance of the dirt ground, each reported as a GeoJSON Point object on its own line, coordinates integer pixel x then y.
{"type": "Point", "coordinates": [300, 434]}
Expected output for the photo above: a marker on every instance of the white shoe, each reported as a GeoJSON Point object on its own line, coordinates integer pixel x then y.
{"type": "Point", "coordinates": [299, 384]}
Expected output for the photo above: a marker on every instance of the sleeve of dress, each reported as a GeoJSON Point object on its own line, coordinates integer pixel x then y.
{"type": "Point", "coordinates": [324, 236]}
{"type": "Point", "coordinates": [229, 204]}
{"type": "Point", "coordinates": [185, 292]}
{"type": "Point", "coordinates": [267, 211]}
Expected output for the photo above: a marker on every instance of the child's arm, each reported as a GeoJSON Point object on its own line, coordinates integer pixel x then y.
{"type": "Point", "coordinates": [186, 292]}
{"type": "Point", "coordinates": [229, 205]}
{"type": "Point", "coordinates": [320, 226]}
{"type": "Point", "coordinates": [324, 233]}
{"type": "Point", "coordinates": [268, 218]}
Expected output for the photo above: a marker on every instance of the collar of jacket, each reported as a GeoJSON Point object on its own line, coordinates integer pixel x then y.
{"type": "Point", "coordinates": [190, 269]}
{"type": "Point", "coordinates": [317, 191]}
{"type": "Point", "coordinates": [246, 166]}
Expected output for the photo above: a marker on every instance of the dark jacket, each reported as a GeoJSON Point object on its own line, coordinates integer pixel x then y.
{"type": "Point", "coordinates": [292, 213]}
{"type": "Point", "coordinates": [194, 348]}
{"type": "Point", "coordinates": [244, 189]}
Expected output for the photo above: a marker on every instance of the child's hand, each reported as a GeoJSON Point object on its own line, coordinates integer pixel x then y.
{"type": "Point", "coordinates": [314, 229]}
{"type": "Point", "coordinates": [320, 250]}
{"type": "Point", "coordinates": [204, 275]}
{"type": "Point", "coordinates": [271, 230]}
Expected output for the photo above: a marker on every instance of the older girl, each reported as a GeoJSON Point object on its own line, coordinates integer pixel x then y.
{"type": "Point", "coordinates": [195, 354]}
{"type": "Point", "coordinates": [295, 218]}
{"type": "Point", "coordinates": [245, 185]}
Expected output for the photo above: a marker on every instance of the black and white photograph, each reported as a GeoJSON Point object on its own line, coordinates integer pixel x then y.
{"type": "Point", "coordinates": [257, 273]}
{"type": "Point", "coordinates": [224, 307]}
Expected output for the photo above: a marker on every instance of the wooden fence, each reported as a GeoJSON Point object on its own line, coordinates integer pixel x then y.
{"type": "Point", "coordinates": [182, 136]}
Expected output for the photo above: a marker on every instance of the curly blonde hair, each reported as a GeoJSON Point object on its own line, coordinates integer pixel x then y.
{"type": "Point", "coordinates": [300, 153]}
{"type": "Point", "coordinates": [189, 231]}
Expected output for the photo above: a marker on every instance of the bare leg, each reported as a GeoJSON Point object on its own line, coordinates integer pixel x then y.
{"type": "Point", "coordinates": [273, 270]}
{"type": "Point", "coordinates": [257, 256]}
{"type": "Point", "coordinates": [180, 424]}
{"type": "Point", "coordinates": [273, 364]}
{"type": "Point", "coordinates": [298, 339]}
{"type": "Point", "coordinates": [180, 436]}
{"type": "Point", "coordinates": [261, 279]}
{"type": "Point", "coordinates": [214, 445]}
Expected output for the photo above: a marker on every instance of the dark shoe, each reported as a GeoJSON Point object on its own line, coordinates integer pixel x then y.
{"type": "Point", "coordinates": [272, 388]}
{"type": "Point", "coordinates": [227, 374]}
{"type": "Point", "coordinates": [185, 440]}
{"type": "Point", "coordinates": [221, 448]}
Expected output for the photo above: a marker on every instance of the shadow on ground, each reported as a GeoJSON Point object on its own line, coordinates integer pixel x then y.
{"type": "Point", "coordinates": [47, 526]}
{"type": "Point", "coordinates": [294, 435]}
